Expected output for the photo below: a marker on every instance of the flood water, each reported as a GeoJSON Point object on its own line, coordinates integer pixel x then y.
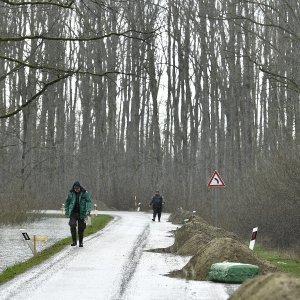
{"type": "Point", "coordinates": [13, 247]}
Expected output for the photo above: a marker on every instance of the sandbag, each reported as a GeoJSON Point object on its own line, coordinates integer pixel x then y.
{"type": "Point", "coordinates": [231, 272]}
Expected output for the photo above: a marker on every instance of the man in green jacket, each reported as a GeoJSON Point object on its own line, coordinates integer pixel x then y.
{"type": "Point", "coordinates": [77, 206]}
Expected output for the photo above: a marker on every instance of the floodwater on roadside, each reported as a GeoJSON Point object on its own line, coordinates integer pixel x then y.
{"type": "Point", "coordinates": [13, 247]}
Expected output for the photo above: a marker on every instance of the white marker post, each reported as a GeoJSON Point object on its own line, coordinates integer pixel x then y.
{"type": "Point", "coordinates": [95, 210]}
{"type": "Point", "coordinates": [253, 238]}
{"type": "Point", "coordinates": [88, 221]}
{"type": "Point", "coordinates": [27, 240]}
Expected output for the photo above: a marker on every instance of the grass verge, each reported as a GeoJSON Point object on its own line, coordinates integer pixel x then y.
{"type": "Point", "coordinates": [9, 273]}
{"type": "Point", "coordinates": [284, 261]}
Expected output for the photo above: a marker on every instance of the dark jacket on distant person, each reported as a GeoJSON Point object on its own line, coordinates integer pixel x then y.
{"type": "Point", "coordinates": [85, 203]}
{"type": "Point", "coordinates": [157, 202]}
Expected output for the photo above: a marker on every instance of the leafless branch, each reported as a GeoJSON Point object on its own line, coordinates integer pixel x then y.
{"type": "Point", "coordinates": [59, 70]}
{"type": "Point", "coordinates": [45, 87]}
{"type": "Point", "coordinates": [79, 38]}
{"type": "Point", "coordinates": [286, 81]}
{"type": "Point", "coordinates": [49, 2]}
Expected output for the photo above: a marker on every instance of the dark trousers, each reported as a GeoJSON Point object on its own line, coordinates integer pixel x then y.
{"type": "Point", "coordinates": [74, 220]}
{"type": "Point", "coordinates": [157, 210]}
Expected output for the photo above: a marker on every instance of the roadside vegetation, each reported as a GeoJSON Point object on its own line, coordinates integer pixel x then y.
{"type": "Point", "coordinates": [14, 207]}
{"type": "Point", "coordinates": [9, 273]}
{"type": "Point", "coordinates": [269, 200]}
{"type": "Point", "coordinates": [286, 261]}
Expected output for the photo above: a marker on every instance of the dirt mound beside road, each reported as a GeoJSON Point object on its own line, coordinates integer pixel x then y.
{"type": "Point", "coordinates": [220, 250]}
{"type": "Point", "coordinates": [195, 234]}
{"type": "Point", "coordinates": [180, 215]}
{"type": "Point", "coordinates": [274, 286]}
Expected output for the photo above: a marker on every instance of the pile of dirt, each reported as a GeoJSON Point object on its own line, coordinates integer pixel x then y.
{"type": "Point", "coordinates": [220, 250]}
{"type": "Point", "coordinates": [276, 286]}
{"type": "Point", "coordinates": [180, 216]}
{"type": "Point", "coordinates": [195, 234]}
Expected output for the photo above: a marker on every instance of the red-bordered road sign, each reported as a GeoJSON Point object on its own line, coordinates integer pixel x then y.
{"type": "Point", "coordinates": [216, 180]}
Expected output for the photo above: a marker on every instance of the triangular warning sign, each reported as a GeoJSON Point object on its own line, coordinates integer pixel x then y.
{"type": "Point", "coordinates": [216, 180]}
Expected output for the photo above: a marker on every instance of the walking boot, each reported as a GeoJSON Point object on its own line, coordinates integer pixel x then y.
{"type": "Point", "coordinates": [74, 237]}
{"type": "Point", "coordinates": [80, 234]}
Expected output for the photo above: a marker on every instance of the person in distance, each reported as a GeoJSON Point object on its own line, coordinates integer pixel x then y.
{"type": "Point", "coordinates": [78, 205]}
{"type": "Point", "coordinates": [157, 204]}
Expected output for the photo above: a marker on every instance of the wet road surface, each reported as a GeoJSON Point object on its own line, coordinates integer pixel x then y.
{"type": "Point", "coordinates": [113, 265]}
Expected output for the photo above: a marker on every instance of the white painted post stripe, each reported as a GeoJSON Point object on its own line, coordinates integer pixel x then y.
{"type": "Point", "coordinates": [251, 246]}
{"type": "Point", "coordinates": [253, 238]}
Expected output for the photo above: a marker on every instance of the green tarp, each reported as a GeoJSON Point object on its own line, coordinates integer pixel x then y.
{"type": "Point", "coordinates": [232, 272]}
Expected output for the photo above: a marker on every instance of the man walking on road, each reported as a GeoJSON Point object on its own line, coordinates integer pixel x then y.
{"type": "Point", "coordinates": [77, 206]}
{"type": "Point", "coordinates": [157, 203]}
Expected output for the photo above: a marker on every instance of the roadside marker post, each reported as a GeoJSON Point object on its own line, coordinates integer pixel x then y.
{"type": "Point", "coordinates": [27, 240]}
{"type": "Point", "coordinates": [253, 238]}
{"type": "Point", "coordinates": [89, 221]}
{"type": "Point", "coordinates": [32, 245]}
{"type": "Point", "coordinates": [95, 210]}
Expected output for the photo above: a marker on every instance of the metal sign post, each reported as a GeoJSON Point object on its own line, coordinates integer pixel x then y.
{"type": "Point", "coordinates": [215, 208]}
{"type": "Point", "coordinates": [215, 181]}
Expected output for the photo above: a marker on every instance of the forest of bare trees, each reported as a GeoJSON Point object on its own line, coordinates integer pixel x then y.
{"type": "Point", "coordinates": [132, 96]}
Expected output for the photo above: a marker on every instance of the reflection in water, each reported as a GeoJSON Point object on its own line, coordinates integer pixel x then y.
{"type": "Point", "coordinates": [14, 249]}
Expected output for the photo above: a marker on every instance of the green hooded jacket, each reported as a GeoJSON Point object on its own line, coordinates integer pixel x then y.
{"type": "Point", "coordinates": [85, 203]}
